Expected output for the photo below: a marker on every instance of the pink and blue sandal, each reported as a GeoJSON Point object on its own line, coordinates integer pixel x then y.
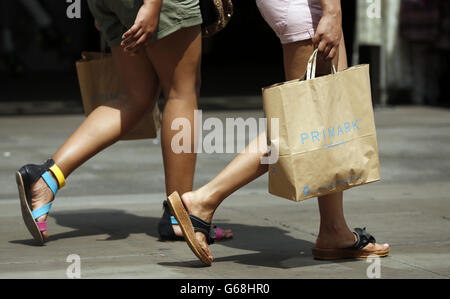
{"type": "Point", "coordinates": [26, 177]}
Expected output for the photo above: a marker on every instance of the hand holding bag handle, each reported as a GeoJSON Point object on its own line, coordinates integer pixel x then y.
{"type": "Point", "coordinates": [312, 65]}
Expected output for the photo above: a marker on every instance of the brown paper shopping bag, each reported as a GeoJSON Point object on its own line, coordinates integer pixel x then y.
{"type": "Point", "coordinates": [99, 83]}
{"type": "Point", "coordinates": [326, 139]}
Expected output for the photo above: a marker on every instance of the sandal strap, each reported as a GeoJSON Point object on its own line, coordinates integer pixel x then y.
{"type": "Point", "coordinates": [219, 233]}
{"type": "Point", "coordinates": [42, 211]}
{"type": "Point", "coordinates": [42, 225]}
{"type": "Point", "coordinates": [212, 234]}
{"type": "Point", "coordinates": [51, 183]}
{"type": "Point", "coordinates": [165, 228]}
{"type": "Point", "coordinates": [364, 238]}
{"type": "Point", "coordinates": [204, 227]}
{"type": "Point", "coordinates": [59, 175]}
{"type": "Point", "coordinates": [216, 232]}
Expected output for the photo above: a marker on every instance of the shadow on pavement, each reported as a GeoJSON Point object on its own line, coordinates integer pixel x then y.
{"type": "Point", "coordinates": [117, 224]}
{"type": "Point", "coordinates": [272, 246]}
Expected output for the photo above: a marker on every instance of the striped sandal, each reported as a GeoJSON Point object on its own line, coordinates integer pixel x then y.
{"type": "Point", "coordinates": [26, 177]}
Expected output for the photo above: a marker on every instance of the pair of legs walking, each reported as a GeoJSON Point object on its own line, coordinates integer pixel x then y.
{"type": "Point", "coordinates": [172, 65]}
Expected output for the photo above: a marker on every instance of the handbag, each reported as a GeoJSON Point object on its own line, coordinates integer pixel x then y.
{"type": "Point", "coordinates": [216, 14]}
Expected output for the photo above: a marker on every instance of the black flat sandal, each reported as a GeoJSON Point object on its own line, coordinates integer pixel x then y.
{"type": "Point", "coordinates": [165, 229]}
{"type": "Point", "coordinates": [166, 232]}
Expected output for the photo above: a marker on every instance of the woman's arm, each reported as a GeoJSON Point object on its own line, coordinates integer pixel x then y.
{"type": "Point", "coordinates": [329, 32]}
{"type": "Point", "coordinates": [144, 26]}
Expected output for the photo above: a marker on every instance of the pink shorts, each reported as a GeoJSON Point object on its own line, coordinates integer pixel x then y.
{"type": "Point", "coordinates": [292, 20]}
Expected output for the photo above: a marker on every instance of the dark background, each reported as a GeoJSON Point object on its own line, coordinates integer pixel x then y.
{"type": "Point", "coordinates": [237, 62]}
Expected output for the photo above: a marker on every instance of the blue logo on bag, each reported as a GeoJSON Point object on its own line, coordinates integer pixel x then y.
{"type": "Point", "coordinates": [306, 190]}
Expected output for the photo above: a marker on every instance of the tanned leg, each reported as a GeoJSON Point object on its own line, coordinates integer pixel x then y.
{"type": "Point", "coordinates": [177, 61]}
{"type": "Point", "coordinates": [106, 124]}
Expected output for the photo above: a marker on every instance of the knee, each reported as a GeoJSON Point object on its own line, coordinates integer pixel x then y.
{"type": "Point", "coordinates": [183, 89]}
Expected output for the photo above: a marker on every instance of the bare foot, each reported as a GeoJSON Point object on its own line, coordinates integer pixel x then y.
{"type": "Point", "coordinates": [40, 196]}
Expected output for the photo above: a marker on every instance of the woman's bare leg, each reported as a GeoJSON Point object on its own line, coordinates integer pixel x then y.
{"type": "Point", "coordinates": [106, 124]}
{"type": "Point", "coordinates": [334, 231]}
{"type": "Point", "coordinates": [296, 57]}
{"type": "Point", "coordinates": [245, 168]}
{"type": "Point", "coordinates": [177, 61]}
{"type": "Point", "coordinates": [179, 70]}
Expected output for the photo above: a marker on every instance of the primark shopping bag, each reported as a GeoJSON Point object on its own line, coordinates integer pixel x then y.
{"type": "Point", "coordinates": [326, 138]}
{"type": "Point", "coordinates": [99, 83]}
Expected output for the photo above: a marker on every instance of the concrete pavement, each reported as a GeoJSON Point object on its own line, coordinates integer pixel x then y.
{"type": "Point", "coordinates": [109, 212]}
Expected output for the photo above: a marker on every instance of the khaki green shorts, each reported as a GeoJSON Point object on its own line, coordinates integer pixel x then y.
{"type": "Point", "coordinates": [115, 17]}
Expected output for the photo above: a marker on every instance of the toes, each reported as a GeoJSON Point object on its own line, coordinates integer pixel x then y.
{"type": "Point", "coordinates": [377, 247]}
{"type": "Point", "coordinates": [380, 247]}
{"type": "Point", "coordinates": [208, 253]}
{"type": "Point", "coordinates": [42, 218]}
{"type": "Point", "coordinates": [201, 238]}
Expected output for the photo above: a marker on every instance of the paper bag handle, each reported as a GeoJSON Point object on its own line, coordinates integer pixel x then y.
{"type": "Point", "coordinates": [312, 64]}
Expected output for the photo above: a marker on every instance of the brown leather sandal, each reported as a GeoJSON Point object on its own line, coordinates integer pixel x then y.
{"type": "Point", "coordinates": [189, 225]}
